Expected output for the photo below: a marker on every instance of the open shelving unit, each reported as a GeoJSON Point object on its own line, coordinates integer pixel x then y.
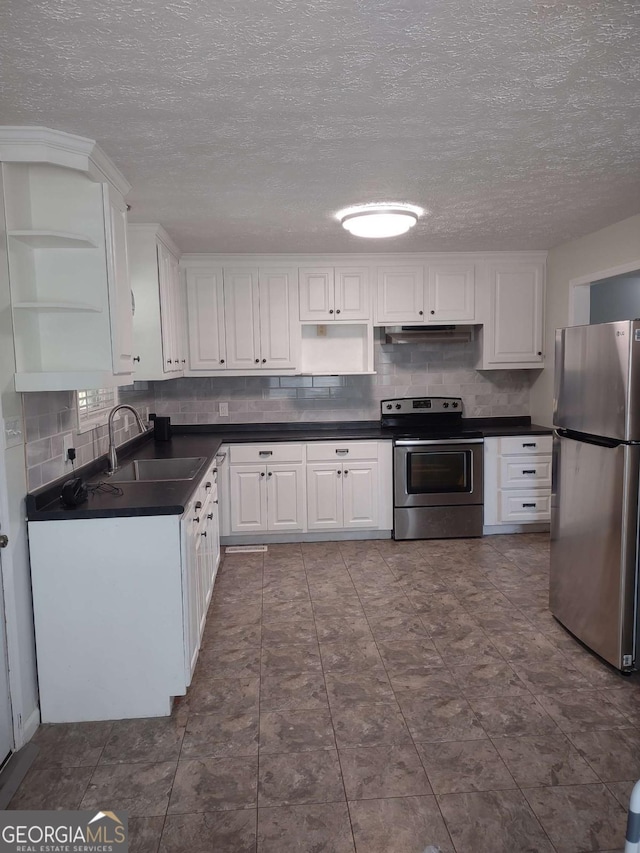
{"type": "Point", "coordinates": [336, 348]}
{"type": "Point", "coordinates": [58, 192]}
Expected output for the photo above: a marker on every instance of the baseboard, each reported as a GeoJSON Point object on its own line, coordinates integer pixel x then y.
{"type": "Point", "coordinates": [284, 538]}
{"type": "Point", "coordinates": [538, 527]}
{"type": "Point", "coordinates": [14, 772]}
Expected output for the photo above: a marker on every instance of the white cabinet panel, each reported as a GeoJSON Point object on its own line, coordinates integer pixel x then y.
{"type": "Point", "coordinates": [400, 295]}
{"type": "Point", "coordinates": [360, 494]}
{"type": "Point", "coordinates": [340, 293]}
{"type": "Point", "coordinates": [120, 307]}
{"type": "Point", "coordinates": [352, 290]}
{"type": "Point", "coordinates": [205, 319]}
{"type": "Point", "coordinates": [516, 314]}
{"type": "Point", "coordinates": [242, 318]}
{"type": "Point", "coordinates": [525, 472]}
{"type": "Point", "coordinates": [277, 312]}
{"type": "Point", "coordinates": [451, 293]}
{"type": "Point", "coordinates": [519, 507]}
{"type": "Point", "coordinates": [248, 499]}
{"type": "Point", "coordinates": [324, 496]}
{"type": "Point", "coordinates": [158, 336]}
{"type": "Point", "coordinates": [285, 497]}
{"type": "Point", "coordinates": [317, 295]}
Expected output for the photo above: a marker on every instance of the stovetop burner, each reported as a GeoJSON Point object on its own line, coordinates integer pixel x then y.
{"type": "Point", "coordinates": [425, 417]}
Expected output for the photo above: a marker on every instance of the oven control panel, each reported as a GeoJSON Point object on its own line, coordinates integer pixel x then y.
{"type": "Point", "coordinates": [421, 405]}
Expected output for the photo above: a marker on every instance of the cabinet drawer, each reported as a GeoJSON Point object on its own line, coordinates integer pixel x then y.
{"type": "Point", "coordinates": [522, 472]}
{"type": "Point", "coordinates": [522, 444]}
{"type": "Point", "coordinates": [265, 453]}
{"type": "Point", "coordinates": [325, 452]}
{"type": "Point", "coordinates": [525, 506]}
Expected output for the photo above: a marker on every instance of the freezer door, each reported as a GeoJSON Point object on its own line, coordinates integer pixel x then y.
{"type": "Point", "coordinates": [597, 380]}
{"type": "Point", "coordinates": [594, 534]}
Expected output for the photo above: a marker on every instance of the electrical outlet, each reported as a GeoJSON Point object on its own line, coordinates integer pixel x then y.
{"type": "Point", "coordinates": [67, 444]}
{"type": "Point", "coordinates": [223, 410]}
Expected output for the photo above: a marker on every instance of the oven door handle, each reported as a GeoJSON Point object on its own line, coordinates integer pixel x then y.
{"type": "Point", "coordinates": [409, 442]}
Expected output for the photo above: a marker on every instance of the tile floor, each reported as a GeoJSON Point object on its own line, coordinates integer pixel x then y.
{"type": "Point", "coordinates": [376, 697]}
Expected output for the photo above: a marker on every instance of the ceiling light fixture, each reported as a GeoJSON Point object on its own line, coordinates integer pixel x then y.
{"type": "Point", "coordinates": [379, 220]}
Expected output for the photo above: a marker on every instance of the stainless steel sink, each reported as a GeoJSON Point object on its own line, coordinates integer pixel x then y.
{"type": "Point", "coordinates": [158, 470]}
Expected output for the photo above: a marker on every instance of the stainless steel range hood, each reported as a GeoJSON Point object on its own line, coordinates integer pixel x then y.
{"type": "Point", "coordinates": [427, 334]}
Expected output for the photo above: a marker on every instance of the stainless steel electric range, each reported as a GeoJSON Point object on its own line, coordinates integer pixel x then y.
{"type": "Point", "coordinates": [437, 469]}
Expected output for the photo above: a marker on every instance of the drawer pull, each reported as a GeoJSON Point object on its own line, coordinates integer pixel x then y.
{"type": "Point", "coordinates": [204, 533]}
{"type": "Point", "coordinates": [265, 453]}
{"type": "Point", "coordinates": [197, 519]}
{"type": "Point", "coordinates": [529, 444]}
{"type": "Point", "coordinates": [207, 485]}
{"type": "Point", "coordinates": [342, 450]}
{"type": "Point", "coordinates": [198, 505]}
{"type": "Point", "coordinates": [528, 506]}
{"type": "Point", "coordinates": [210, 516]}
{"type": "Point", "coordinates": [530, 471]}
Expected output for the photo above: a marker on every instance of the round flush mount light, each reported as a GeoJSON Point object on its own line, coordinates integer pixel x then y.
{"type": "Point", "coordinates": [379, 220]}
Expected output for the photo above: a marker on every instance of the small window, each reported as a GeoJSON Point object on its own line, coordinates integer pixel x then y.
{"type": "Point", "coordinates": [94, 406]}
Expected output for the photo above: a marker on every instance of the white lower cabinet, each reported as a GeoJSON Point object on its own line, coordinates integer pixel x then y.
{"type": "Point", "coordinates": [296, 489]}
{"type": "Point", "coordinates": [342, 495]}
{"type": "Point", "coordinates": [266, 495]}
{"type": "Point", "coordinates": [517, 478]}
{"type": "Point", "coordinates": [119, 608]}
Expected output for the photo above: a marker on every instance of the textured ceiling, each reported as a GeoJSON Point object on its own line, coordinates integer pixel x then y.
{"type": "Point", "coordinates": [244, 124]}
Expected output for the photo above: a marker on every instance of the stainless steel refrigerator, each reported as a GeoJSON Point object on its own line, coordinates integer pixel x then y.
{"type": "Point", "coordinates": [594, 509]}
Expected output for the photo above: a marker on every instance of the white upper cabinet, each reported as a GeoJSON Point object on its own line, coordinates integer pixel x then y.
{"type": "Point", "coordinates": [452, 293]}
{"type": "Point", "coordinates": [436, 292]}
{"type": "Point", "coordinates": [400, 297]}
{"type": "Point", "coordinates": [334, 293]}
{"type": "Point", "coordinates": [513, 331]}
{"type": "Point", "coordinates": [158, 337]}
{"type": "Point", "coordinates": [66, 232]}
{"type": "Point", "coordinates": [205, 330]}
{"type": "Point", "coordinates": [278, 327]}
{"type": "Point", "coordinates": [242, 318]}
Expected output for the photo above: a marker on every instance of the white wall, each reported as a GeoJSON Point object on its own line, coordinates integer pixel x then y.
{"type": "Point", "coordinates": [613, 246]}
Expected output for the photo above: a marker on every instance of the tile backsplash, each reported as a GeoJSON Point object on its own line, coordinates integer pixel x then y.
{"type": "Point", "coordinates": [49, 416]}
{"type": "Point", "coordinates": [401, 371]}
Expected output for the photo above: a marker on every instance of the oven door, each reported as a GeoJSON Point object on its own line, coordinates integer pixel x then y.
{"type": "Point", "coordinates": [437, 473]}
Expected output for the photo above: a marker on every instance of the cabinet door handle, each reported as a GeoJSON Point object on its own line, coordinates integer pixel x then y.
{"type": "Point", "coordinates": [530, 471]}
{"type": "Point", "coordinates": [184, 360]}
{"type": "Point", "coordinates": [222, 361]}
{"type": "Point", "coordinates": [540, 353]}
{"type": "Point", "coordinates": [136, 358]}
{"type": "Point", "coordinates": [207, 485]}
{"type": "Point", "coordinates": [420, 313]}
{"type": "Point", "coordinates": [345, 473]}
{"type": "Point", "coordinates": [330, 310]}
{"type": "Point", "coordinates": [264, 360]}
{"type": "Point", "coordinates": [337, 310]}
{"type": "Point", "coordinates": [433, 312]}
{"type": "Point", "coordinates": [204, 533]}
{"type": "Point", "coordinates": [270, 474]}
{"type": "Point", "coordinates": [528, 506]}
{"type": "Point", "coordinates": [198, 505]}
{"type": "Point", "coordinates": [338, 473]}
{"type": "Point", "coordinates": [529, 444]}
{"type": "Point", "coordinates": [197, 519]}
{"type": "Point", "coordinates": [342, 450]}
{"type": "Point", "coordinates": [262, 473]}
{"type": "Point", "coordinates": [257, 361]}
{"type": "Point", "coordinates": [210, 516]}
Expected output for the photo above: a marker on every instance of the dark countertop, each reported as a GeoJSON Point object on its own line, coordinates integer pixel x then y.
{"type": "Point", "coordinates": [172, 497]}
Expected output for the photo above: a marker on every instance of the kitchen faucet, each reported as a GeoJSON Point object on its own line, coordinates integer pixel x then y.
{"type": "Point", "coordinates": [113, 456]}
